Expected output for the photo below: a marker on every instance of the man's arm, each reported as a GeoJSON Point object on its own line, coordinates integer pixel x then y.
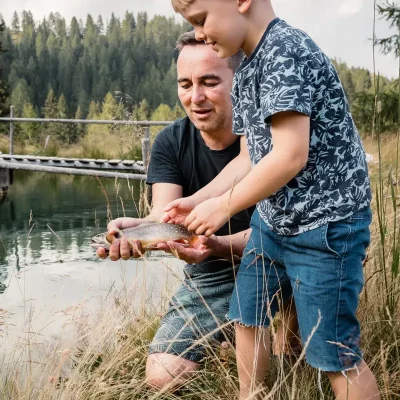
{"type": "Point", "coordinates": [232, 245]}
{"type": "Point", "coordinates": [228, 247]}
{"type": "Point", "coordinates": [162, 194]}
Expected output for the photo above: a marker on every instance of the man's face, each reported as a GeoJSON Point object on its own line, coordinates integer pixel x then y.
{"type": "Point", "coordinates": [218, 23]}
{"type": "Point", "coordinates": [204, 85]}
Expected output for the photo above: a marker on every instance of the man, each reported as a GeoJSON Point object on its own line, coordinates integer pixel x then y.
{"type": "Point", "coordinates": [185, 157]}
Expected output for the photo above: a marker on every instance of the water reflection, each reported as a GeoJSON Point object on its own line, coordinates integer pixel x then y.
{"type": "Point", "coordinates": [49, 218]}
{"type": "Point", "coordinates": [46, 262]}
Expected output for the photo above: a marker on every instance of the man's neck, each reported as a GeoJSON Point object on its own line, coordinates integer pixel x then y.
{"type": "Point", "coordinates": [218, 140]}
{"type": "Point", "coordinates": [260, 15]}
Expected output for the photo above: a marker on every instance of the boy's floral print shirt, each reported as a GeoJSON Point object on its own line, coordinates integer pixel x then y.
{"type": "Point", "coordinates": [288, 72]}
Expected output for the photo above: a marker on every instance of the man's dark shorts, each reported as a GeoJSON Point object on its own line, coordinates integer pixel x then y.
{"type": "Point", "coordinates": [195, 320]}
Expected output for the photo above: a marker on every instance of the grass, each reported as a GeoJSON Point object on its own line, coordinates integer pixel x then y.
{"type": "Point", "coordinates": [107, 359]}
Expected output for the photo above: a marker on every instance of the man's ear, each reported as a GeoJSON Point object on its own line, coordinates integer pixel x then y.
{"type": "Point", "coordinates": [244, 5]}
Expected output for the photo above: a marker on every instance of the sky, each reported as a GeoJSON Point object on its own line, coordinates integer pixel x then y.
{"type": "Point", "coordinates": [342, 28]}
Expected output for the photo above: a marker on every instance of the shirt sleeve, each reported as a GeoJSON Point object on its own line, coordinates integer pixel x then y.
{"type": "Point", "coordinates": [238, 126]}
{"type": "Point", "coordinates": [164, 165]}
{"type": "Point", "coordinates": [288, 83]}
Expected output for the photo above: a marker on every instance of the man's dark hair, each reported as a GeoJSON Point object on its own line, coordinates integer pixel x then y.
{"type": "Point", "coordinates": [189, 39]}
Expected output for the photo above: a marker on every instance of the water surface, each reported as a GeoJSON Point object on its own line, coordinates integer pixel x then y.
{"type": "Point", "coordinates": [46, 262]}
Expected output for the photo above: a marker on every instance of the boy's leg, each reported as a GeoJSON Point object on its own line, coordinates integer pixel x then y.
{"type": "Point", "coordinates": [261, 284]}
{"type": "Point", "coordinates": [252, 357]}
{"type": "Point", "coordinates": [190, 325]}
{"type": "Point", "coordinates": [286, 341]}
{"type": "Point", "coordinates": [355, 384]}
{"type": "Point", "coordinates": [325, 268]}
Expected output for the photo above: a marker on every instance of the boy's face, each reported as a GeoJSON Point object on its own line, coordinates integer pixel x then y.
{"type": "Point", "coordinates": [204, 85]}
{"type": "Point", "coordinates": [219, 23]}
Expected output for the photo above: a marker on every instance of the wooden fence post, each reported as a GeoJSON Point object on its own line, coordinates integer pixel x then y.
{"type": "Point", "coordinates": [4, 181]}
{"type": "Point", "coordinates": [145, 203]}
{"type": "Point", "coordinates": [11, 130]}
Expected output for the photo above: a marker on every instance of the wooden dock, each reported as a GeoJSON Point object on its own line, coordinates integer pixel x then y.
{"type": "Point", "coordinates": [61, 162]}
{"type": "Point", "coordinates": [133, 169]}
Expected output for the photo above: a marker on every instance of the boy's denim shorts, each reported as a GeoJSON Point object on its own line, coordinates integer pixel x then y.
{"type": "Point", "coordinates": [323, 270]}
{"type": "Point", "coordinates": [195, 322]}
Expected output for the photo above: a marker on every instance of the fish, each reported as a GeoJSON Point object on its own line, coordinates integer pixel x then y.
{"type": "Point", "coordinates": [149, 234]}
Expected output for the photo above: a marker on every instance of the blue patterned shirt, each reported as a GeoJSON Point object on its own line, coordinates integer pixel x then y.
{"type": "Point", "coordinates": [288, 72]}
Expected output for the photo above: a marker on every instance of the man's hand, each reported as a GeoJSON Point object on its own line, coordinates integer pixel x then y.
{"type": "Point", "coordinates": [208, 217]}
{"type": "Point", "coordinates": [176, 211]}
{"type": "Point", "coordinates": [120, 247]}
{"type": "Point", "coordinates": [202, 248]}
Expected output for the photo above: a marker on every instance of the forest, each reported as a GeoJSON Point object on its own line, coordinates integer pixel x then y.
{"type": "Point", "coordinates": [124, 69]}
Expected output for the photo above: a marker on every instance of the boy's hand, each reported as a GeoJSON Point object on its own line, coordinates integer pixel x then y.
{"type": "Point", "coordinates": [177, 211]}
{"type": "Point", "coordinates": [202, 248]}
{"type": "Point", "coordinates": [120, 247]}
{"type": "Point", "coordinates": [208, 217]}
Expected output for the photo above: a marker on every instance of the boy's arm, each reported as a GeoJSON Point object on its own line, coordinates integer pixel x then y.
{"type": "Point", "coordinates": [233, 173]}
{"type": "Point", "coordinates": [290, 136]}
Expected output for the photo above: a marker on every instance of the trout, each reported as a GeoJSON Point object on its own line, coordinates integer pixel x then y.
{"type": "Point", "coordinates": [149, 234]}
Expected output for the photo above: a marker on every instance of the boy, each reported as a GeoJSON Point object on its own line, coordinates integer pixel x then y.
{"type": "Point", "coordinates": [305, 169]}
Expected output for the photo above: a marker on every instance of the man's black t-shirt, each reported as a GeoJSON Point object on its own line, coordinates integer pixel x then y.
{"type": "Point", "coordinates": [180, 156]}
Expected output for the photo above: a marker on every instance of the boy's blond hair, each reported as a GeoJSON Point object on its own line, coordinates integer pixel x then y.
{"type": "Point", "coordinates": [180, 5]}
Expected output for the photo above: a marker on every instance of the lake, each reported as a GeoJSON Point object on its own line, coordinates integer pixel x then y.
{"type": "Point", "coordinates": [46, 263]}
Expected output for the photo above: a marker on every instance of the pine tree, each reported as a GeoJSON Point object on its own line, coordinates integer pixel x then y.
{"type": "Point", "coordinates": [64, 131]}
{"type": "Point", "coordinates": [50, 111]}
{"type": "Point", "coordinates": [128, 26]}
{"type": "Point", "coordinates": [162, 113]}
{"type": "Point", "coordinates": [390, 11]}
{"type": "Point", "coordinates": [50, 105]}
{"type": "Point", "coordinates": [141, 112]}
{"type": "Point", "coordinates": [177, 112]}
{"type": "Point", "coordinates": [19, 96]}
{"type": "Point", "coordinates": [15, 26]}
{"type": "Point", "coordinates": [91, 32]}
{"type": "Point", "coordinates": [79, 129]}
{"type": "Point", "coordinates": [3, 87]}
{"type": "Point", "coordinates": [94, 110]}
{"type": "Point", "coordinates": [29, 129]}
{"type": "Point", "coordinates": [100, 25]}
{"type": "Point", "coordinates": [109, 107]}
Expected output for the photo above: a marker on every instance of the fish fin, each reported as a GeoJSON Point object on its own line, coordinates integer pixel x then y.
{"type": "Point", "coordinates": [148, 221]}
{"type": "Point", "coordinates": [193, 239]}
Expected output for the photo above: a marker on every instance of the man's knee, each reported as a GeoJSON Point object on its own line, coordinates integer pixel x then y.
{"type": "Point", "coordinates": [166, 371]}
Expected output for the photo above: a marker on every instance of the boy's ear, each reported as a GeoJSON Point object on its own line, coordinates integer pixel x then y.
{"type": "Point", "coordinates": [244, 5]}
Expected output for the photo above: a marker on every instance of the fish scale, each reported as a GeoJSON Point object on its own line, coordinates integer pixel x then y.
{"type": "Point", "coordinates": [149, 235]}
